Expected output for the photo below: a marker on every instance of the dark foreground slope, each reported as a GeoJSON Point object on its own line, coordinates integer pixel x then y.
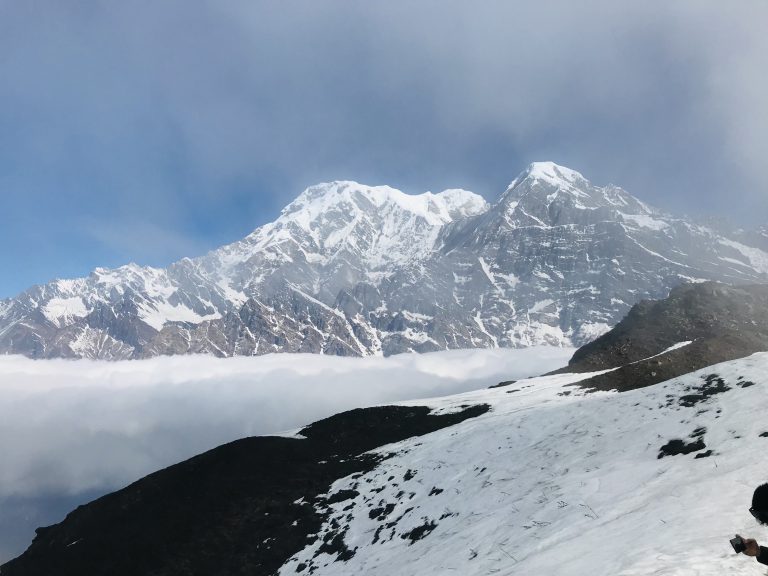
{"type": "Point", "coordinates": [242, 508]}
{"type": "Point", "coordinates": [721, 322]}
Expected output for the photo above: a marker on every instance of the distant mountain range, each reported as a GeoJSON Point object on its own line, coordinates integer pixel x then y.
{"type": "Point", "coordinates": [355, 270]}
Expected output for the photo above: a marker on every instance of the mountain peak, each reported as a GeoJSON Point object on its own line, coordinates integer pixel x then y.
{"type": "Point", "coordinates": [552, 172]}
{"type": "Point", "coordinates": [547, 194]}
{"type": "Point", "coordinates": [350, 196]}
{"type": "Point", "coordinates": [549, 172]}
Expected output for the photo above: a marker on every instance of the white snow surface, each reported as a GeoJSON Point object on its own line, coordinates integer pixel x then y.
{"type": "Point", "coordinates": [756, 257]}
{"type": "Point", "coordinates": [379, 224]}
{"type": "Point", "coordinates": [60, 311]}
{"type": "Point", "coordinates": [156, 314]}
{"type": "Point", "coordinates": [436, 209]}
{"type": "Point", "coordinates": [589, 331]}
{"type": "Point", "coordinates": [646, 221]}
{"type": "Point", "coordinates": [552, 173]}
{"type": "Point", "coordinates": [558, 482]}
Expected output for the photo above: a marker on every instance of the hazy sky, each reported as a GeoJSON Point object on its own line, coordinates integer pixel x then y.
{"type": "Point", "coordinates": [146, 131]}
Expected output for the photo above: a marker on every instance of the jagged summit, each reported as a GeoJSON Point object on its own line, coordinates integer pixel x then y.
{"type": "Point", "coordinates": [353, 198]}
{"type": "Point", "coordinates": [550, 173]}
{"type": "Point", "coordinates": [547, 194]}
{"type": "Point", "coordinates": [356, 227]}
{"type": "Point", "coordinates": [552, 179]}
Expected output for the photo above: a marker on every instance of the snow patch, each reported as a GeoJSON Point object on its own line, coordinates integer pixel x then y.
{"type": "Point", "coordinates": [590, 331]}
{"type": "Point", "coordinates": [63, 311]}
{"type": "Point", "coordinates": [540, 305]}
{"type": "Point", "coordinates": [756, 257]}
{"type": "Point", "coordinates": [553, 174]}
{"type": "Point", "coordinates": [645, 221]}
{"type": "Point", "coordinates": [157, 313]}
{"type": "Point", "coordinates": [435, 209]}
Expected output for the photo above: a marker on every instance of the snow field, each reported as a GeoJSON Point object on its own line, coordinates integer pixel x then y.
{"type": "Point", "coordinates": [558, 481]}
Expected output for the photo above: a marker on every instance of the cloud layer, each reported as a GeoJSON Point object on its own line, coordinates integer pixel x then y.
{"type": "Point", "coordinates": [70, 430]}
{"type": "Point", "coordinates": [198, 125]}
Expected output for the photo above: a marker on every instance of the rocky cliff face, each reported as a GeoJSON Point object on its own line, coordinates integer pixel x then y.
{"type": "Point", "coordinates": [696, 326]}
{"type": "Point", "coordinates": [355, 270]}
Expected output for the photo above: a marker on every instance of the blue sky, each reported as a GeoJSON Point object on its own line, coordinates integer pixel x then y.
{"type": "Point", "coordinates": [148, 131]}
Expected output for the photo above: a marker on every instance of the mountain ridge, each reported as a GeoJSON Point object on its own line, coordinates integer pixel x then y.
{"type": "Point", "coordinates": [357, 270]}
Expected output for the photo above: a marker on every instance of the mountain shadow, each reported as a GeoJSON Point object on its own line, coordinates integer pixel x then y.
{"type": "Point", "coordinates": [242, 508]}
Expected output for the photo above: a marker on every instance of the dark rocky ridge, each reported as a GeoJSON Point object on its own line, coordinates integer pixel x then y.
{"type": "Point", "coordinates": [722, 322]}
{"type": "Point", "coordinates": [242, 508]}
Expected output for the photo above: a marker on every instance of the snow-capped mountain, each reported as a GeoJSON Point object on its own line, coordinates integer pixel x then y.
{"type": "Point", "coordinates": [540, 476]}
{"type": "Point", "coordinates": [350, 269]}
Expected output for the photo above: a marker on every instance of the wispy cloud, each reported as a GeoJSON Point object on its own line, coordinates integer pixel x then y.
{"type": "Point", "coordinates": [144, 241]}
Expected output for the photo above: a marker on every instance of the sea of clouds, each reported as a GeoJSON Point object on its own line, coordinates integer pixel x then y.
{"type": "Point", "coordinates": [73, 430]}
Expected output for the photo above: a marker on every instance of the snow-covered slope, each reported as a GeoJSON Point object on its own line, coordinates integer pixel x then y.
{"type": "Point", "coordinates": [349, 269]}
{"type": "Point", "coordinates": [557, 481]}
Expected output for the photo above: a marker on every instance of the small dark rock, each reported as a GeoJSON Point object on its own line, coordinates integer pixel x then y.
{"type": "Point", "coordinates": [420, 531]}
{"type": "Point", "coordinates": [342, 495]}
{"type": "Point", "coordinates": [382, 512]}
{"type": "Point", "coordinates": [502, 384]}
{"type": "Point", "coordinates": [677, 446]}
{"type": "Point", "coordinates": [698, 432]}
